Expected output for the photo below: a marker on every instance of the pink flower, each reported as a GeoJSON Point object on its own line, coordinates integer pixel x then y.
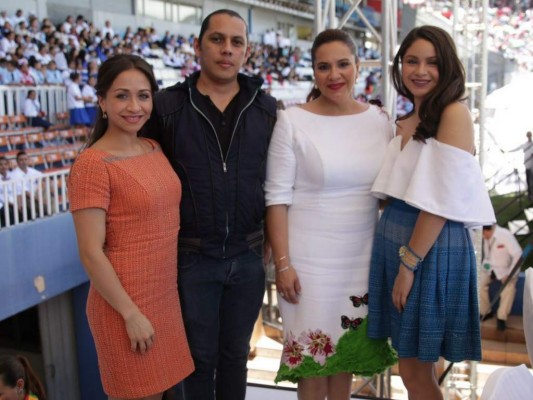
{"type": "Point", "coordinates": [318, 344]}
{"type": "Point", "coordinates": [292, 352]}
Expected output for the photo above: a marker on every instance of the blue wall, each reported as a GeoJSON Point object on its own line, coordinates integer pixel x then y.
{"type": "Point", "coordinates": [46, 247]}
{"type": "Point", "coordinates": [89, 376]}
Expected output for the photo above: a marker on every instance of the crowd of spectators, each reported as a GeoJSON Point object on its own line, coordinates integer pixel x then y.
{"type": "Point", "coordinates": [35, 52]}
{"type": "Point", "coordinates": [510, 34]}
{"type": "Point", "coordinates": [510, 26]}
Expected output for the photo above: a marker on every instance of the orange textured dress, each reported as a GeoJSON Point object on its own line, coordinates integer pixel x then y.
{"type": "Point", "coordinates": [141, 196]}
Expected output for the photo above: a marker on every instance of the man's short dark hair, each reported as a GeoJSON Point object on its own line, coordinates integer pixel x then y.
{"type": "Point", "coordinates": [487, 227]}
{"type": "Point", "coordinates": [231, 13]}
{"type": "Point", "coordinates": [21, 153]}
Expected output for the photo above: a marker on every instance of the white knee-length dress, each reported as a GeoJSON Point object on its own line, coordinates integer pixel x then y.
{"type": "Point", "coordinates": [323, 167]}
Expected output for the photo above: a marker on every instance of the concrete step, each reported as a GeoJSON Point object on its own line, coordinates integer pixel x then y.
{"type": "Point", "coordinates": [514, 332]}
{"type": "Point", "coordinates": [263, 367]}
{"type": "Point", "coordinates": [505, 353]}
{"type": "Point", "coordinates": [262, 370]}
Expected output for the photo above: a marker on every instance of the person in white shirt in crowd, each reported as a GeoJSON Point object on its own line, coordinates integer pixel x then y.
{"type": "Point", "coordinates": [5, 176]}
{"type": "Point", "coordinates": [35, 31]}
{"type": "Point", "coordinates": [146, 50]}
{"type": "Point", "coordinates": [169, 59]}
{"type": "Point", "coordinates": [187, 49]}
{"type": "Point", "coordinates": [73, 42]}
{"type": "Point", "coordinates": [12, 75]}
{"type": "Point", "coordinates": [28, 182]}
{"type": "Point", "coordinates": [59, 57]}
{"type": "Point", "coordinates": [22, 29]}
{"type": "Point", "coordinates": [67, 73]}
{"type": "Point", "coordinates": [32, 111]}
{"type": "Point", "coordinates": [53, 75]}
{"type": "Point", "coordinates": [4, 17]}
{"type": "Point", "coordinates": [108, 30]}
{"type": "Point", "coordinates": [7, 43]}
{"type": "Point", "coordinates": [75, 102]}
{"type": "Point", "coordinates": [68, 24]}
{"type": "Point", "coordinates": [36, 70]}
{"type": "Point", "coordinates": [97, 38]}
{"type": "Point", "coordinates": [128, 33]}
{"type": "Point", "coordinates": [47, 31]}
{"type": "Point", "coordinates": [81, 24]}
{"type": "Point", "coordinates": [269, 38]}
{"type": "Point", "coordinates": [88, 92]}
{"type": "Point", "coordinates": [62, 35]}
{"type": "Point", "coordinates": [19, 17]}
{"type": "Point", "coordinates": [501, 252]}
{"type": "Point", "coordinates": [44, 71]}
{"type": "Point", "coordinates": [152, 34]}
{"type": "Point", "coordinates": [29, 48]}
{"type": "Point", "coordinates": [43, 54]}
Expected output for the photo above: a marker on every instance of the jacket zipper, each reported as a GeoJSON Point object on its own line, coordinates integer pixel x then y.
{"type": "Point", "coordinates": [224, 159]}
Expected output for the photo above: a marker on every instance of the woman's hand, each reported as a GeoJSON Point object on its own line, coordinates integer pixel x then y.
{"type": "Point", "coordinates": [140, 331]}
{"type": "Point", "coordinates": [402, 287]}
{"type": "Point", "coordinates": [288, 285]}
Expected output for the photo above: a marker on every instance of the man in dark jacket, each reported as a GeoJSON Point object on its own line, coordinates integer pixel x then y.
{"type": "Point", "coordinates": [215, 129]}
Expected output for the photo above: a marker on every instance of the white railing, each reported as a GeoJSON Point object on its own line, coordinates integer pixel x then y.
{"type": "Point", "coordinates": [30, 198]}
{"type": "Point", "coordinates": [53, 99]}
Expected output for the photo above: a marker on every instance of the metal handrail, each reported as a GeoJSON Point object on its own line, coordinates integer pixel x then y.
{"type": "Point", "coordinates": [29, 198]}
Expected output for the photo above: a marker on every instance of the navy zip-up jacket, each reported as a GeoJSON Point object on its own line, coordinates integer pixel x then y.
{"type": "Point", "coordinates": [222, 206]}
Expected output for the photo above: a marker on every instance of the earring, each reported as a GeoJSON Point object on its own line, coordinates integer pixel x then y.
{"type": "Point", "coordinates": [104, 115]}
{"type": "Point", "coordinates": [315, 86]}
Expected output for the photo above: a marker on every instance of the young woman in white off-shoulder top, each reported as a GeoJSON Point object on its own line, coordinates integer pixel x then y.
{"type": "Point", "coordinates": [422, 289]}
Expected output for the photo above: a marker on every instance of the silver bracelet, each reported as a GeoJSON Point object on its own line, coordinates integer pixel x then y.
{"type": "Point", "coordinates": [283, 269]}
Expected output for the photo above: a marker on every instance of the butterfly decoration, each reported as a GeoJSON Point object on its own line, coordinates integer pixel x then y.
{"type": "Point", "coordinates": [350, 323]}
{"type": "Point", "coordinates": [358, 301]}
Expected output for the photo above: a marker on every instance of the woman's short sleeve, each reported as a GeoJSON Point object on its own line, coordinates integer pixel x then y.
{"type": "Point", "coordinates": [281, 163]}
{"type": "Point", "coordinates": [88, 184]}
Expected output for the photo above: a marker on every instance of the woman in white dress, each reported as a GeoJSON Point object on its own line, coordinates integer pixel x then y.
{"type": "Point", "coordinates": [322, 161]}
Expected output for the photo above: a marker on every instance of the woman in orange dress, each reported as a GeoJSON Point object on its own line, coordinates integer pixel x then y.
{"type": "Point", "coordinates": [124, 198]}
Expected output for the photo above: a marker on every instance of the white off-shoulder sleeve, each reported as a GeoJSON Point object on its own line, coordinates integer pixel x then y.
{"type": "Point", "coordinates": [281, 163]}
{"type": "Point", "coordinates": [437, 178]}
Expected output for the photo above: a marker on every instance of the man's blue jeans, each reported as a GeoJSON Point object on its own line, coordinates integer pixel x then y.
{"type": "Point", "coordinates": [220, 302]}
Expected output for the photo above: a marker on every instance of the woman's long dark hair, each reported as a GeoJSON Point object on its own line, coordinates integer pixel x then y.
{"type": "Point", "coordinates": [13, 368]}
{"type": "Point", "coordinates": [107, 74]}
{"type": "Point", "coordinates": [450, 87]}
{"type": "Point", "coordinates": [325, 37]}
